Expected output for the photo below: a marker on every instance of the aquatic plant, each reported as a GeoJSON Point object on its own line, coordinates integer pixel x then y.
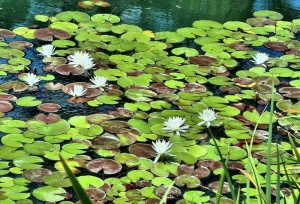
{"type": "Point", "coordinates": [162, 148]}
{"type": "Point", "coordinates": [98, 82]}
{"type": "Point", "coordinates": [77, 91]}
{"type": "Point", "coordinates": [47, 50]}
{"type": "Point", "coordinates": [108, 130]}
{"type": "Point", "coordinates": [260, 58]}
{"type": "Point", "coordinates": [208, 116]}
{"type": "Point", "coordinates": [175, 124]}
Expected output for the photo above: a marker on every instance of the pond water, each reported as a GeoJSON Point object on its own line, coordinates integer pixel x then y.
{"type": "Point", "coordinates": [135, 130]}
{"type": "Point", "coordinates": [154, 15]}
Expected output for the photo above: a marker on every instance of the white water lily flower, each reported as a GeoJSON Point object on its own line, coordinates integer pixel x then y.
{"type": "Point", "coordinates": [161, 147]}
{"type": "Point", "coordinates": [87, 64]}
{"type": "Point", "coordinates": [82, 59]}
{"type": "Point", "coordinates": [77, 91]}
{"type": "Point", "coordinates": [47, 50]}
{"type": "Point", "coordinates": [98, 82]}
{"type": "Point", "coordinates": [260, 58]}
{"type": "Point", "coordinates": [31, 79]}
{"type": "Point", "coordinates": [175, 124]}
{"type": "Point", "coordinates": [207, 115]}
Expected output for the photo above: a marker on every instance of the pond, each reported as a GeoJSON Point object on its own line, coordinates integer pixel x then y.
{"type": "Point", "coordinates": [153, 15]}
{"type": "Point", "coordinates": [145, 94]}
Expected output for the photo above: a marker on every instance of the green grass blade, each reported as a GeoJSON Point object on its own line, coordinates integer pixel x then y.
{"type": "Point", "coordinates": [278, 176]}
{"type": "Point", "coordinates": [81, 194]}
{"type": "Point", "coordinates": [269, 144]}
{"type": "Point", "coordinates": [233, 195]}
{"type": "Point", "coordinates": [164, 198]}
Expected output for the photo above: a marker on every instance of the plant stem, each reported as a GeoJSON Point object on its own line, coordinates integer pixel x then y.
{"type": "Point", "coordinates": [224, 166]}
{"type": "Point", "coordinates": [269, 145]}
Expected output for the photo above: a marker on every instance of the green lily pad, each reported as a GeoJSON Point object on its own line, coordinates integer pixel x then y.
{"type": "Point", "coordinates": [255, 117]}
{"type": "Point", "coordinates": [101, 18]}
{"type": "Point", "coordinates": [140, 94]}
{"type": "Point", "coordinates": [273, 15]}
{"type": "Point", "coordinates": [57, 128]}
{"type": "Point", "coordinates": [191, 32]}
{"type": "Point", "coordinates": [49, 193]}
{"type": "Point", "coordinates": [86, 181]}
{"type": "Point", "coordinates": [123, 28]}
{"type": "Point", "coordinates": [235, 25]}
{"type": "Point", "coordinates": [195, 196]}
{"type": "Point", "coordinates": [207, 24]}
{"type": "Point", "coordinates": [19, 61]}
{"type": "Point", "coordinates": [15, 140]}
{"type": "Point", "coordinates": [28, 162]}
{"type": "Point", "coordinates": [220, 81]}
{"type": "Point", "coordinates": [15, 193]}
{"type": "Point", "coordinates": [38, 147]}
{"type": "Point", "coordinates": [188, 180]}
{"type": "Point", "coordinates": [136, 175]}
{"type": "Point", "coordinates": [41, 18]}
{"type": "Point", "coordinates": [57, 179]}
{"type": "Point", "coordinates": [168, 36]}
{"type": "Point", "coordinates": [28, 101]}
{"type": "Point", "coordinates": [188, 52]}
{"type": "Point", "coordinates": [72, 15]}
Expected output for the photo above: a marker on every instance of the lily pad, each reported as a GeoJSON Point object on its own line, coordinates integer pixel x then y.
{"type": "Point", "coordinates": [57, 128]}
{"type": "Point", "coordinates": [28, 101]}
{"type": "Point", "coordinates": [108, 166]}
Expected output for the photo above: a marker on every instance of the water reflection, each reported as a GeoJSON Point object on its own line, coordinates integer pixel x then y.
{"type": "Point", "coordinates": [154, 15]}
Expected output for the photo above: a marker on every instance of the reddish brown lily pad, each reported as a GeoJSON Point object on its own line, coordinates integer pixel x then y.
{"type": "Point", "coordinates": [200, 172]}
{"type": "Point", "coordinates": [106, 141]}
{"type": "Point", "coordinates": [98, 118]}
{"type": "Point", "coordinates": [121, 113]}
{"type": "Point", "coordinates": [116, 126]}
{"type": "Point", "coordinates": [36, 175]}
{"type": "Point", "coordinates": [5, 106]}
{"type": "Point", "coordinates": [290, 92]}
{"type": "Point", "coordinates": [47, 34]}
{"type": "Point", "coordinates": [210, 164]}
{"type": "Point", "coordinates": [203, 60]}
{"type": "Point", "coordinates": [161, 88]}
{"type": "Point", "coordinates": [53, 87]}
{"type": "Point", "coordinates": [95, 193]}
{"type": "Point", "coordinates": [234, 165]}
{"type": "Point", "coordinates": [7, 97]}
{"type": "Point", "coordinates": [240, 46]}
{"type": "Point", "coordinates": [49, 107]}
{"type": "Point", "coordinates": [293, 52]}
{"type": "Point", "coordinates": [161, 190]}
{"type": "Point", "coordinates": [194, 88]}
{"type": "Point", "coordinates": [142, 150]}
{"type": "Point", "coordinates": [277, 46]}
{"type": "Point", "coordinates": [90, 4]}
{"type": "Point", "coordinates": [230, 89]}
{"type": "Point", "coordinates": [7, 33]}
{"type": "Point", "coordinates": [67, 88]}
{"type": "Point", "coordinates": [215, 185]}
{"type": "Point", "coordinates": [20, 45]}
{"type": "Point", "coordinates": [50, 118]}
{"type": "Point", "coordinates": [49, 68]}
{"type": "Point", "coordinates": [109, 166]}
{"type": "Point", "coordinates": [66, 69]}
{"type": "Point", "coordinates": [55, 60]}
{"type": "Point", "coordinates": [75, 100]}
{"type": "Point", "coordinates": [260, 22]}
{"type": "Point", "coordinates": [16, 86]}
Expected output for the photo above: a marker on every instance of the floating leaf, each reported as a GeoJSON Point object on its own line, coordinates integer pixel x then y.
{"type": "Point", "coordinates": [49, 194]}
{"type": "Point", "coordinates": [28, 101]}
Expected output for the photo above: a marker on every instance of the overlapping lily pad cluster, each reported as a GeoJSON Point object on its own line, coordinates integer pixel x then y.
{"type": "Point", "coordinates": [152, 83]}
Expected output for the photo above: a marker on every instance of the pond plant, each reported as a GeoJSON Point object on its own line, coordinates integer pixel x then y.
{"type": "Point", "coordinates": [204, 114]}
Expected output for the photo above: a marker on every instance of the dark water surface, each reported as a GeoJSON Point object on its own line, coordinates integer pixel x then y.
{"type": "Point", "coordinates": [156, 15]}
